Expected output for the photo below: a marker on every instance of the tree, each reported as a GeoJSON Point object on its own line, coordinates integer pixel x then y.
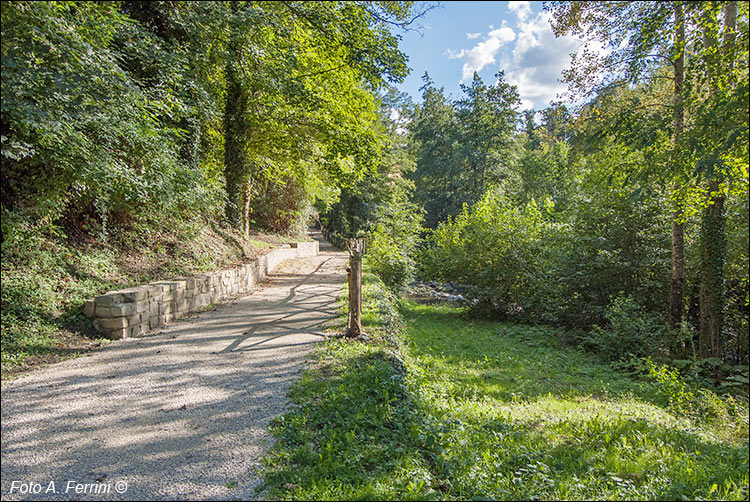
{"type": "Point", "coordinates": [633, 33]}
{"type": "Point", "coordinates": [463, 147]}
{"type": "Point", "coordinates": [722, 127]}
{"type": "Point", "coordinates": [487, 122]}
{"type": "Point", "coordinates": [300, 77]}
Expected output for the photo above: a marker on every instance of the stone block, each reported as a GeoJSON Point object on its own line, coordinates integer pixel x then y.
{"type": "Point", "coordinates": [179, 285]}
{"type": "Point", "coordinates": [133, 295]}
{"type": "Point", "coordinates": [165, 308]}
{"type": "Point", "coordinates": [89, 307]}
{"type": "Point", "coordinates": [134, 320]}
{"type": "Point", "coordinates": [141, 306]}
{"type": "Point", "coordinates": [197, 302]}
{"type": "Point", "coordinates": [153, 308]}
{"type": "Point", "coordinates": [180, 306]}
{"type": "Point", "coordinates": [102, 312]}
{"type": "Point", "coordinates": [137, 330]}
{"type": "Point", "coordinates": [204, 284]}
{"type": "Point", "coordinates": [122, 310]}
{"type": "Point", "coordinates": [172, 285]}
{"type": "Point", "coordinates": [155, 290]}
{"type": "Point", "coordinates": [154, 322]}
{"type": "Point", "coordinates": [108, 324]}
{"type": "Point", "coordinates": [117, 334]}
{"type": "Point", "coordinates": [107, 300]}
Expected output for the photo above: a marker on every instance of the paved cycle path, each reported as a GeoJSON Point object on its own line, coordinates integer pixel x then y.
{"type": "Point", "coordinates": [182, 414]}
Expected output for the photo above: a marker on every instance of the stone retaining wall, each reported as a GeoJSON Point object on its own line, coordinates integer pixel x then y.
{"type": "Point", "coordinates": [134, 311]}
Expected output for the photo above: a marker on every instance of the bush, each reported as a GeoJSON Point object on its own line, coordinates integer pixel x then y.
{"type": "Point", "coordinates": [631, 331]}
{"type": "Point", "coordinates": [506, 253]}
{"type": "Point", "coordinates": [393, 243]}
{"type": "Point", "coordinates": [536, 264]}
{"type": "Point", "coordinates": [389, 260]}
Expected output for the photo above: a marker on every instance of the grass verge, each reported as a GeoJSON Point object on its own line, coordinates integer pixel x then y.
{"type": "Point", "coordinates": [352, 433]}
{"type": "Point", "coordinates": [447, 408]}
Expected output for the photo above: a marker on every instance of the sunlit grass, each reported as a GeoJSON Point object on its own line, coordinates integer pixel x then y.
{"type": "Point", "coordinates": [462, 409]}
{"type": "Point", "coordinates": [528, 417]}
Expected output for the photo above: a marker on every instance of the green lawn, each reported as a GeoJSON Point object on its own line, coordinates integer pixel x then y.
{"type": "Point", "coordinates": [460, 409]}
{"type": "Point", "coordinates": [523, 417]}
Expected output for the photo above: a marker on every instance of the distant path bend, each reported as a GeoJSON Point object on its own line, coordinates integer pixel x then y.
{"type": "Point", "coordinates": [178, 415]}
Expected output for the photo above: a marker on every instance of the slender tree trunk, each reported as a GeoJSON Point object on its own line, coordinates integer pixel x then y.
{"type": "Point", "coordinates": [676, 295]}
{"type": "Point", "coordinates": [713, 256]}
{"type": "Point", "coordinates": [713, 227]}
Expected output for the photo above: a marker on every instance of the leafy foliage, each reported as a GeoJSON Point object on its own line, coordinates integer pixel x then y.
{"type": "Point", "coordinates": [462, 146]}
{"type": "Point", "coordinates": [630, 332]}
{"type": "Point", "coordinates": [379, 205]}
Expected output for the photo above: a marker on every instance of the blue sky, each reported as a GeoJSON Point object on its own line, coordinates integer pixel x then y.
{"type": "Point", "coordinates": [459, 38]}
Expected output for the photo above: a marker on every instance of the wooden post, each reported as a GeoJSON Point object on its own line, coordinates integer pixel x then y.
{"type": "Point", "coordinates": [356, 248]}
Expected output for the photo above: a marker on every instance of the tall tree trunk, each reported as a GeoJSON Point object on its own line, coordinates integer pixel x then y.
{"type": "Point", "coordinates": [236, 163]}
{"type": "Point", "coordinates": [676, 295]}
{"type": "Point", "coordinates": [713, 227]}
{"type": "Point", "coordinates": [713, 256]}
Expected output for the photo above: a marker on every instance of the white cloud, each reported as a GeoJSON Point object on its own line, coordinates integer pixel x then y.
{"type": "Point", "coordinates": [537, 60]}
{"type": "Point", "coordinates": [520, 9]}
{"type": "Point", "coordinates": [531, 56]}
{"type": "Point", "coordinates": [483, 53]}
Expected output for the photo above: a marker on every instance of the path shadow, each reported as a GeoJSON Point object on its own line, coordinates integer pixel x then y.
{"type": "Point", "coordinates": [190, 425]}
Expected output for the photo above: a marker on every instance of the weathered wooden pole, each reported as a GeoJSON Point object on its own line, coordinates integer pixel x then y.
{"type": "Point", "coordinates": [356, 248]}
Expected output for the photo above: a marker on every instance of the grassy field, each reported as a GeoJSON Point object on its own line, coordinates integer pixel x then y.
{"type": "Point", "coordinates": [441, 407]}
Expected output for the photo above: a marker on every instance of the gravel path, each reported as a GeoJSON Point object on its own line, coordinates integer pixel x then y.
{"type": "Point", "coordinates": [182, 414]}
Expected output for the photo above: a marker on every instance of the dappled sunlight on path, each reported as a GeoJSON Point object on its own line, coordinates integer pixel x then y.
{"type": "Point", "coordinates": [181, 414]}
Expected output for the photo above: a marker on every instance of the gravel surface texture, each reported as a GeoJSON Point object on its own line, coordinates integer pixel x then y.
{"type": "Point", "coordinates": [180, 414]}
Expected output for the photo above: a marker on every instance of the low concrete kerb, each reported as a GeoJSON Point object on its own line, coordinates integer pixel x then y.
{"type": "Point", "coordinates": [135, 311]}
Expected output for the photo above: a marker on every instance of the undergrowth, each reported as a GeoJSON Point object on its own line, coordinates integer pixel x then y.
{"type": "Point", "coordinates": [434, 406]}
{"type": "Point", "coordinates": [356, 432]}
{"type": "Point", "coordinates": [49, 272]}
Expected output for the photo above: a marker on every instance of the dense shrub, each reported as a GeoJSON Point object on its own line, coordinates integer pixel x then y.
{"type": "Point", "coordinates": [393, 246]}
{"type": "Point", "coordinates": [506, 253]}
{"type": "Point", "coordinates": [539, 265]}
{"type": "Point", "coordinates": [630, 331]}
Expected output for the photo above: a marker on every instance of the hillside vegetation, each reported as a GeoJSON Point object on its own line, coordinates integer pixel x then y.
{"type": "Point", "coordinates": [147, 139]}
{"type": "Point", "coordinates": [47, 278]}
